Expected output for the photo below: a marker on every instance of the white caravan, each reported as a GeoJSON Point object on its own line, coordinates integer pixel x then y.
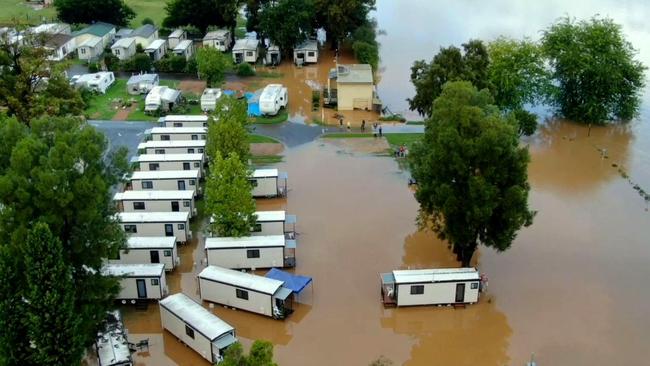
{"type": "Point", "coordinates": [143, 249]}
{"type": "Point", "coordinates": [251, 252]}
{"type": "Point", "coordinates": [195, 326]}
{"type": "Point", "coordinates": [170, 180]}
{"type": "Point", "coordinates": [245, 291]}
{"type": "Point", "coordinates": [138, 281]}
{"type": "Point", "coordinates": [266, 183]}
{"type": "Point", "coordinates": [98, 82]}
{"type": "Point", "coordinates": [153, 162]}
{"type": "Point", "coordinates": [156, 201]}
{"type": "Point", "coordinates": [172, 147]}
{"type": "Point", "coordinates": [274, 223]}
{"type": "Point", "coordinates": [180, 120]}
{"type": "Point", "coordinates": [273, 98]}
{"type": "Point", "coordinates": [306, 53]}
{"type": "Point", "coordinates": [209, 99]}
{"type": "Point", "coordinates": [176, 133]}
{"type": "Point", "coordinates": [175, 224]}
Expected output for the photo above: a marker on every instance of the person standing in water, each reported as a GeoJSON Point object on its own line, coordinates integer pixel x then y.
{"type": "Point", "coordinates": [363, 125]}
{"type": "Point", "coordinates": [380, 131]}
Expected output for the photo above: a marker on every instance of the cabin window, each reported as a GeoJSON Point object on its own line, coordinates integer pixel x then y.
{"type": "Point", "coordinates": [195, 137]}
{"type": "Point", "coordinates": [147, 184]}
{"type": "Point", "coordinates": [192, 182]}
{"type": "Point", "coordinates": [154, 282]}
{"type": "Point", "coordinates": [311, 54]}
{"type": "Point", "coordinates": [189, 331]}
{"type": "Point", "coordinates": [167, 253]}
{"type": "Point", "coordinates": [205, 124]}
{"type": "Point", "coordinates": [117, 51]}
{"type": "Point", "coordinates": [159, 151]}
{"type": "Point", "coordinates": [131, 229]}
{"type": "Point", "coordinates": [186, 166]}
{"type": "Point", "coordinates": [186, 203]}
{"type": "Point", "coordinates": [83, 51]}
{"type": "Point", "coordinates": [164, 138]}
{"type": "Point", "coordinates": [196, 165]}
{"type": "Point", "coordinates": [257, 228]}
{"type": "Point", "coordinates": [417, 289]}
{"type": "Point", "coordinates": [138, 205]}
{"type": "Point", "coordinates": [200, 151]}
{"type": "Point", "coordinates": [190, 151]}
{"type": "Point", "coordinates": [474, 285]}
{"type": "Point", "coordinates": [253, 182]}
{"type": "Point", "coordinates": [241, 294]}
{"type": "Point", "coordinates": [202, 137]}
{"type": "Point", "coordinates": [181, 226]}
{"type": "Point", "coordinates": [253, 253]}
{"type": "Point", "coordinates": [178, 124]}
{"type": "Point", "coordinates": [154, 166]}
{"type": "Point", "coordinates": [249, 53]}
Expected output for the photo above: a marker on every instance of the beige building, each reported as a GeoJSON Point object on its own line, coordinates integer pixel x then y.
{"type": "Point", "coordinates": [352, 87]}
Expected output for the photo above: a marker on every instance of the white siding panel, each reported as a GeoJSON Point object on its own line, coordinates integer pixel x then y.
{"type": "Point", "coordinates": [226, 295]}
{"type": "Point", "coordinates": [236, 258]}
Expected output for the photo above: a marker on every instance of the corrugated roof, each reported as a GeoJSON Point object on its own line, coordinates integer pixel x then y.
{"type": "Point", "coordinates": [91, 42]}
{"type": "Point", "coordinates": [165, 174]}
{"type": "Point", "coordinates": [196, 316]}
{"type": "Point", "coordinates": [98, 29]}
{"type": "Point", "coordinates": [354, 73]}
{"type": "Point", "coordinates": [166, 157]}
{"type": "Point", "coordinates": [183, 45]}
{"type": "Point", "coordinates": [57, 40]}
{"type": "Point", "coordinates": [245, 242]}
{"type": "Point", "coordinates": [144, 217]}
{"type": "Point", "coordinates": [124, 32]}
{"type": "Point", "coordinates": [184, 118]}
{"type": "Point", "coordinates": [142, 78]}
{"type": "Point", "coordinates": [264, 173]}
{"type": "Point", "coordinates": [308, 45]}
{"type": "Point", "coordinates": [436, 275]}
{"type": "Point", "coordinates": [176, 33]}
{"type": "Point", "coordinates": [241, 279]}
{"type": "Point", "coordinates": [270, 216]}
{"type": "Point", "coordinates": [133, 270]}
{"type": "Point", "coordinates": [144, 31]}
{"type": "Point", "coordinates": [136, 242]}
{"type": "Point", "coordinates": [153, 195]}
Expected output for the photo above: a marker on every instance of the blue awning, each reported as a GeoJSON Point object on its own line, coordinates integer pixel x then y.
{"type": "Point", "coordinates": [296, 283]}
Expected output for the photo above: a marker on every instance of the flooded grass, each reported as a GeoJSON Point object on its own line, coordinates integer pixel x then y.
{"type": "Point", "coordinates": [406, 139]}
{"type": "Point", "coordinates": [346, 135]}
{"type": "Point", "coordinates": [263, 160]}
{"type": "Point", "coordinates": [282, 116]}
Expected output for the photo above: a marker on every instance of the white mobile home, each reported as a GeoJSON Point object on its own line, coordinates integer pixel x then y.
{"type": "Point", "coordinates": [195, 326]}
{"type": "Point", "coordinates": [209, 99]}
{"type": "Point", "coordinates": [142, 83]}
{"type": "Point", "coordinates": [145, 34]}
{"type": "Point", "coordinates": [156, 201]}
{"type": "Point", "coordinates": [306, 53]}
{"type": "Point", "coordinates": [143, 250]}
{"type": "Point", "coordinates": [172, 147]}
{"type": "Point", "coordinates": [266, 183]}
{"type": "Point", "coordinates": [156, 49]}
{"type": "Point", "coordinates": [176, 133]}
{"type": "Point", "coordinates": [438, 286]}
{"type": "Point", "coordinates": [251, 252]}
{"type": "Point", "coordinates": [169, 180]}
{"type": "Point", "coordinates": [176, 37]}
{"type": "Point", "coordinates": [184, 48]}
{"type": "Point", "coordinates": [98, 82]}
{"type": "Point", "coordinates": [176, 120]}
{"type": "Point", "coordinates": [219, 39]}
{"type": "Point", "coordinates": [124, 48]}
{"type": "Point", "coordinates": [245, 50]}
{"type": "Point", "coordinates": [245, 291]}
{"type": "Point", "coordinates": [273, 98]}
{"type": "Point", "coordinates": [176, 224]}
{"type": "Point", "coordinates": [151, 162]}
{"type": "Point", "coordinates": [274, 223]}
{"type": "Point", "coordinates": [273, 56]}
{"type": "Point", "coordinates": [61, 45]}
{"type": "Point", "coordinates": [139, 281]}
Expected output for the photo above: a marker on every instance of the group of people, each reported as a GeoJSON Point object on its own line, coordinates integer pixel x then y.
{"type": "Point", "coordinates": [376, 128]}
{"type": "Point", "coordinates": [401, 152]}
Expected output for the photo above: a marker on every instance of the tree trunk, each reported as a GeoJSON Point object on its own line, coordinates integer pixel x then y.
{"type": "Point", "coordinates": [466, 254]}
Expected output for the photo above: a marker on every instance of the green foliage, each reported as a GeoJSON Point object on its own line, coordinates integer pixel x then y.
{"type": "Point", "coordinates": [287, 22]}
{"type": "Point", "coordinates": [211, 65]}
{"type": "Point", "coordinates": [192, 31]}
{"type": "Point", "coordinates": [245, 70]}
{"type": "Point", "coordinates": [227, 133]}
{"type": "Point", "coordinates": [253, 13]}
{"type": "Point", "coordinates": [93, 67]}
{"type": "Point", "coordinates": [449, 64]}
{"type": "Point", "coordinates": [526, 122]}
{"type": "Point", "coordinates": [147, 20]}
{"type": "Point", "coordinates": [192, 66]}
{"type": "Point", "coordinates": [139, 48]}
{"type": "Point", "coordinates": [234, 356]}
{"type": "Point", "coordinates": [201, 13]}
{"type": "Point", "coordinates": [53, 326]}
{"type": "Point", "coordinates": [55, 172]}
{"type": "Point", "coordinates": [142, 63]}
{"type": "Point", "coordinates": [594, 69]}
{"type": "Point", "coordinates": [173, 64]}
{"type": "Point", "coordinates": [382, 361]}
{"type": "Point", "coordinates": [261, 354]}
{"type": "Point", "coordinates": [89, 11]}
{"type": "Point", "coordinates": [471, 173]}
{"type": "Point", "coordinates": [341, 17]}
{"type": "Point", "coordinates": [14, 340]}
{"type": "Point", "coordinates": [364, 44]}
{"type": "Point", "coordinates": [228, 197]}
{"type": "Point", "coordinates": [111, 61]}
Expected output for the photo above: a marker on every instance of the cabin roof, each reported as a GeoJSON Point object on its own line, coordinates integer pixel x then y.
{"type": "Point", "coordinates": [246, 44]}
{"type": "Point", "coordinates": [216, 34]}
{"type": "Point", "coordinates": [145, 217]}
{"type": "Point", "coordinates": [211, 93]}
{"type": "Point", "coordinates": [133, 270]}
{"type": "Point", "coordinates": [144, 31]}
{"type": "Point", "coordinates": [165, 174]}
{"type": "Point", "coordinates": [98, 29]}
{"type": "Point", "coordinates": [270, 91]}
{"type": "Point", "coordinates": [91, 42]}
{"type": "Point", "coordinates": [265, 173]}
{"type": "Point", "coordinates": [155, 44]}
{"type": "Point", "coordinates": [153, 195]}
{"type": "Point", "coordinates": [241, 279]}
{"type": "Point", "coordinates": [123, 43]}
{"type": "Point", "coordinates": [142, 78]}
{"type": "Point", "coordinates": [183, 118]}
{"type": "Point", "coordinates": [171, 143]}
{"type": "Point", "coordinates": [172, 130]}
{"type": "Point", "coordinates": [245, 242]}
{"type": "Point", "coordinates": [57, 40]}
{"type": "Point", "coordinates": [354, 74]}
{"type": "Point", "coordinates": [176, 33]}
{"type": "Point", "coordinates": [183, 45]}
{"type": "Point", "coordinates": [196, 316]}
{"type": "Point", "coordinates": [151, 242]}
{"type": "Point", "coordinates": [165, 157]}
{"type": "Point", "coordinates": [124, 32]}
{"type": "Point", "coordinates": [435, 275]}
{"type": "Point", "coordinates": [308, 45]}
{"type": "Point", "coordinates": [270, 215]}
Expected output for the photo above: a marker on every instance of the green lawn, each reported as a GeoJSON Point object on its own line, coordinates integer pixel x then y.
{"type": "Point", "coordinates": [270, 120]}
{"type": "Point", "coordinates": [348, 135]}
{"type": "Point", "coordinates": [101, 105]}
{"type": "Point", "coordinates": [265, 159]}
{"type": "Point", "coordinates": [257, 139]}
{"type": "Point", "coordinates": [154, 9]}
{"type": "Point", "coordinates": [407, 139]}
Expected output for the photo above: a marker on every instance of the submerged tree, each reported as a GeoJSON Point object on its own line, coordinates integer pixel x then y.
{"type": "Point", "coordinates": [261, 354]}
{"type": "Point", "coordinates": [287, 22]}
{"type": "Point", "coordinates": [471, 173]}
{"type": "Point", "coordinates": [227, 133]}
{"type": "Point", "coordinates": [597, 77]}
{"type": "Point", "coordinates": [341, 17]}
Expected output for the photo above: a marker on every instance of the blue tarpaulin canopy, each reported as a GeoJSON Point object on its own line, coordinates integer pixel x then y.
{"type": "Point", "coordinates": [296, 283]}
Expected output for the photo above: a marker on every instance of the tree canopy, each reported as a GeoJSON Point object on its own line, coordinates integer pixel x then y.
{"type": "Point", "coordinates": [597, 76]}
{"type": "Point", "coordinates": [341, 17]}
{"type": "Point", "coordinates": [471, 173]}
{"type": "Point", "coordinates": [287, 22]}
{"type": "Point", "coordinates": [115, 12]}
{"type": "Point", "coordinates": [212, 65]}
{"type": "Point", "coordinates": [365, 45]}
{"type": "Point", "coordinates": [202, 14]}
{"type": "Point", "coordinates": [227, 132]}
{"type": "Point", "coordinates": [261, 354]}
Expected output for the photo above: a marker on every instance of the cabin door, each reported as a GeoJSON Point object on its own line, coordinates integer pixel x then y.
{"type": "Point", "coordinates": [169, 230]}
{"type": "Point", "coordinates": [155, 256]}
{"type": "Point", "coordinates": [181, 185]}
{"type": "Point", "coordinates": [460, 292]}
{"type": "Point", "coordinates": [175, 207]}
{"type": "Point", "coordinates": [142, 288]}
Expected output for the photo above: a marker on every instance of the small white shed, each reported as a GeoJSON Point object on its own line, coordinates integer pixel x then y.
{"type": "Point", "coordinates": [251, 252]}
{"type": "Point", "coordinates": [269, 183]}
{"type": "Point", "coordinates": [141, 83]}
{"type": "Point", "coordinates": [162, 98]}
{"type": "Point", "coordinates": [144, 249]}
{"type": "Point", "coordinates": [176, 37]}
{"type": "Point", "coordinates": [219, 39]}
{"type": "Point", "coordinates": [176, 120]}
{"type": "Point", "coordinates": [209, 99]}
{"type": "Point", "coordinates": [195, 326]}
{"type": "Point", "coordinates": [245, 291]}
{"type": "Point", "coordinates": [439, 286]}
{"type": "Point", "coordinates": [156, 201]}
{"type": "Point", "coordinates": [175, 224]}
{"type": "Point", "coordinates": [306, 53]}
{"type": "Point", "coordinates": [149, 162]}
{"type": "Point", "coordinates": [156, 49]}
{"type": "Point", "coordinates": [172, 147]}
{"type": "Point", "coordinates": [184, 48]}
{"type": "Point", "coordinates": [165, 180]}
{"type": "Point", "coordinates": [124, 48]}
{"type": "Point", "coordinates": [176, 133]}
{"type": "Point", "coordinates": [273, 56]}
{"type": "Point", "coordinates": [138, 281]}
{"type": "Point", "coordinates": [274, 223]}
{"type": "Point", "coordinates": [245, 50]}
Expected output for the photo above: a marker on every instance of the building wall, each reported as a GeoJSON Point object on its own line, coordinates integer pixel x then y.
{"type": "Point", "coordinates": [107, 39]}
{"type": "Point", "coordinates": [237, 258]}
{"type": "Point", "coordinates": [178, 136]}
{"type": "Point", "coordinates": [184, 124]}
{"type": "Point", "coordinates": [266, 187]}
{"type": "Point", "coordinates": [176, 326]}
{"type": "Point", "coordinates": [226, 295]}
{"type": "Point", "coordinates": [175, 150]}
{"type": "Point", "coordinates": [163, 184]}
{"type": "Point", "coordinates": [145, 42]}
{"type": "Point", "coordinates": [270, 228]}
{"type": "Point", "coordinates": [129, 288]}
{"type": "Point", "coordinates": [125, 53]}
{"type": "Point", "coordinates": [158, 229]}
{"type": "Point", "coordinates": [159, 206]}
{"type": "Point", "coordinates": [143, 256]}
{"type": "Point", "coordinates": [173, 165]}
{"type": "Point", "coordinates": [347, 93]}
{"type": "Point", "coordinates": [435, 293]}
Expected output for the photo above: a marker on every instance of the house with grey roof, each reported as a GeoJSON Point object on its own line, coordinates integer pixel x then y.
{"type": "Point", "coordinates": [124, 48]}
{"type": "Point", "coordinates": [61, 45]}
{"type": "Point", "coordinates": [145, 35]}
{"type": "Point", "coordinates": [219, 39]}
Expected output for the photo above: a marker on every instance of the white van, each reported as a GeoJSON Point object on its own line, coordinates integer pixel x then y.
{"type": "Point", "coordinates": [274, 97]}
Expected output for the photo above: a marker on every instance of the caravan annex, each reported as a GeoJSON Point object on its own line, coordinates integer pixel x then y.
{"type": "Point", "coordinates": [156, 201]}
{"type": "Point", "coordinates": [176, 133]}
{"type": "Point", "coordinates": [438, 286]}
{"type": "Point", "coordinates": [169, 180]}
{"type": "Point", "coordinates": [175, 224]}
{"type": "Point", "coordinates": [251, 252]}
{"type": "Point", "coordinates": [195, 326]}
{"type": "Point", "coordinates": [143, 250]}
{"type": "Point", "coordinates": [274, 223]}
{"type": "Point", "coordinates": [153, 162]}
{"type": "Point", "coordinates": [245, 291]}
{"type": "Point", "coordinates": [181, 120]}
{"type": "Point", "coordinates": [138, 281]}
{"type": "Point", "coordinates": [267, 183]}
{"type": "Point", "coordinates": [172, 147]}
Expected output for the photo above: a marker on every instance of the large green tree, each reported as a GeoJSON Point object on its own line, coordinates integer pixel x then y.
{"type": "Point", "coordinates": [228, 197]}
{"type": "Point", "coordinates": [212, 65]}
{"type": "Point", "coordinates": [471, 172]}
{"type": "Point", "coordinates": [261, 354]}
{"type": "Point", "coordinates": [14, 339]}
{"type": "Point", "coordinates": [594, 68]}
{"type": "Point", "coordinates": [31, 85]}
{"type": "Point", "coordinates": [56, 171]}
{"type": "Point", "coordinates": [52, 325]}
{"type": "Point", "coordinates": [227, 131]}
{"type": "Point", "coordinates": [253, 13]}
{"type": "Point", "coordinates": [89, 11]}
{"type": "Point", "coordinates": [202, 14]}
{"type": "Point", "coordinates": [287, 22]}
{"type": "Point", "coordinates": [365, 45]}
{"type": "Point", "coordinates": [341, 17]}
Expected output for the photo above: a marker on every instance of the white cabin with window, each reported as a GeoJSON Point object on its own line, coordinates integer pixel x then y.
{"type": "Point", "coordinates": [245, 291]}
{"type": "Point", "coordinates": [306, 53]}
{"type": "Point", "coordinates": [156, 201]}
{"type": "Point", "coordinates": [245, 50]}
{"type": "Point", "coordinates": [176, 133]}
{"type": "Point", "coordinates": [124, 48]}
{"type": "Point", "coordinates": [251, 252]}
{"type": "Point", "coordinates": [183, 121]}
{"type": "Point", "coordinates": [154, 250]}
{"type": "Point", "coordinates": [269, 183]}
{"type": "Point", "coordinates": [440, 286]}
{"type": "Point", "coordinates": [185, 49]}
{"type": "Point", "coordinates": [138, 281]}
{"type": "Point", "coordinates": [274, 223]}
{"type": "Point", "coordinates": [170, 180]}
{"type": "Point", "coordinates": [156, 49]}
{"type": "Point", "coordinates": [219, 39]}
{"type": "Point", "coordinates": [175, 224]}
{"type": "Point", "coordinates": [196, 327]}
{"type": "Point", "coordinates": [172, 147]}
{"type": "Point", "coordinates": [152, 162]}
{"type": "Point", "coordinates": [176, 37]}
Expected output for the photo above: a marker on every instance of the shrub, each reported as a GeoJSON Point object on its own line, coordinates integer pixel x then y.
{"type": "Point", "coordinates": [244, 69]}
{"type": "Point", "coordinates": [192, 31]}
{"type": "Point", "coordinates": [139, 48]}
{"type": "Point", "coordinates": [112, 62]}
{"type": "Point", "coordinates": [190, 67]}
{"type": "Point", "coordinates": [93, 67]}
{"type": "Point", "coordinates": [141, 62]}
{"type": "Point", "coordinates": [147, 21]}
{"type": "Point", "coordinates": [177, 63]}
